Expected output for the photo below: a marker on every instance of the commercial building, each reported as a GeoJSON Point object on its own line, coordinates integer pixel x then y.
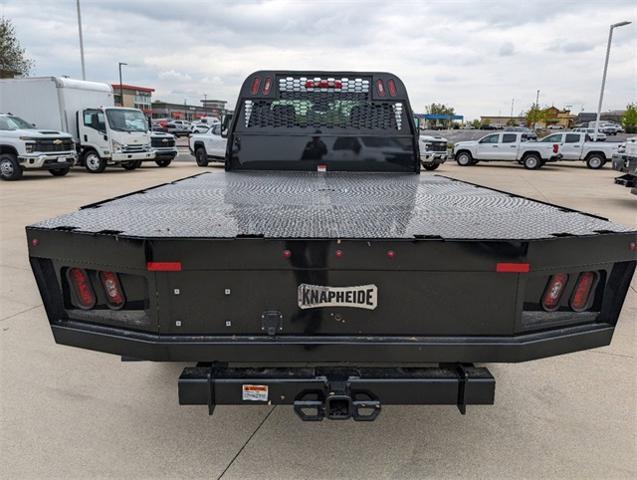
{"type": "Point", "coordinates": [183, 111]}
{"type": "Point", "coordinates": [555, 116]}
{"type": "Point", "coordinates": [610, 116]}
{"type": "Point", "coordinates": [552, 116]}
{"type": "Point", "coordinates": [133, 96]}
{"type": "Point", "coordinates": [500, 121]}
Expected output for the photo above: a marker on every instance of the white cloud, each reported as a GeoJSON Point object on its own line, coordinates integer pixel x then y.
{"type": "Point", "coordinates": [507, 49]}
{"type": "Point", "coordinates": [476, 56]}
{"type": "Point", "coordinates": [173, 75]}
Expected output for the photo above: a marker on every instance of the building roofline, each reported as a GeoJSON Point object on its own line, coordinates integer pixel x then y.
{"type": "Point", "coordinates": [116, 87]}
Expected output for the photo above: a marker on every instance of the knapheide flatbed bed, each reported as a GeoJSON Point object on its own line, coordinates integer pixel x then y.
{"type": "Point", "coordinates": [321, 270]}
{"type": "Point", "coordinates": [342, 205]}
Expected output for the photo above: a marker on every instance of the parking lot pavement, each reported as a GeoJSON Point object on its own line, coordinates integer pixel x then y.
{"type": "Point", "coordinates": [70, 413]}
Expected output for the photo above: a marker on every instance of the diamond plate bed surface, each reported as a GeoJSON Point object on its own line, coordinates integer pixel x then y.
{"type": "Point", "coordinates": [332, 205]}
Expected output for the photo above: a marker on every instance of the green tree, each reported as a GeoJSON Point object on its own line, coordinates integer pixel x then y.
{"type": "Point", "coordinates": [534, 115]}
{"type": "Point", "coordinates": [511, 122]}
{"type": "Point", "coordinates": [629, 118]}
{"type": "Point", "coordinates": [475, 123]}
{"type": "Point", "coordinates": [440, 109]}
{"type": "Point", "coordinates": [13, 60]}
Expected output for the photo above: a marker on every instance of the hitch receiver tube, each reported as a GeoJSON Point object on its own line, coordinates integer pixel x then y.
{"type": "Point", "coordinates": [336, 393]}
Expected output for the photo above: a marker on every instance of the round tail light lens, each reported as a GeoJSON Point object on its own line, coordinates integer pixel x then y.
{"type": "Point", "coordinates": [83, 294]}
{"type": "Point", "coordinates": [553, 292]}
{"type": "Point", "coordinates": [581, 297]}
{"type": "Point", "coordinates": [112, 289]}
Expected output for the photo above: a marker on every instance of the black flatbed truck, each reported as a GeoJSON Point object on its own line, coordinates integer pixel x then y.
{"type": "Point", "coordinates": [327, 273]}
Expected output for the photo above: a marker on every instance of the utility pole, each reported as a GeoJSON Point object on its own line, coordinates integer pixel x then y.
{"type": "Point", "coordinates": [512, 103]}
{"type": "Point", "coordinates": [79, 27]}
{"type": "Point", "coordinates": [121, 86]}
{"type": "Point", "coordinates": [601, 91]}
{"type": "Point", "coordinates": [537, 99]}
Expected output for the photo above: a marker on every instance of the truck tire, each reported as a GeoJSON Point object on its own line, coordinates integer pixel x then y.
{"type": "Point", "coordinates": [93, 162]}
{"type": "Point", "coordinates": [201, 157]}
{"type": "Point", "coordinates": [595, 161]}
{"type": "Point", "coordinates": [163, 163]}
{"type": "Point", "coordinates": [132, 165]}
{"type": "Point", "coordinates": [59, 172]}
{"type": "Point", "coordinates": [430, 165]}
{"type": "Point", "coordinates": [532, 161]}
{"type": "Point", "coordinates": [9, 167]}
{"type": "Point", "coordinates": [464, 159]}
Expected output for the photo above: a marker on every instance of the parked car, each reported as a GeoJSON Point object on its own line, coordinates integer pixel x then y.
{"type": "Point", "coordinates": [577, 146]}
{"type": "Point", "coordinates": [208, 146]}
{"type": "Point", "coordinates": [203, 124]}
{"type": "Point", "coordinates": [24, 147]}
{"type": "Point", "coordinates": [601, 136]}
{"type": "Point", "coordinates": [179, 128]}
{"type": "Point", "coordinates": [505, 146]}
{"type": "Point", "coordinates": [530, 134]}
{"type": "Point", "coordinates": [433, 151]}
{"type": "Point", "coordinates": [608, 128]}
{"type": "Point", "coordinates": [159, 124]}
{"type": "Point", "coordinates": [555, 127]}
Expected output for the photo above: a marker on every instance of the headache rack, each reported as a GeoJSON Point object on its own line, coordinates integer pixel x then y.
{"type": "Point", "coordinates": [330, 121]}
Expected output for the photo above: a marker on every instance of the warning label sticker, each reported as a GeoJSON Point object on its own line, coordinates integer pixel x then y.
{"type": "Point", "coordinates": [255, 393]}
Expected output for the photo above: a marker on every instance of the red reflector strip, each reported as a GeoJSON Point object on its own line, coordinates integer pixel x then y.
{"type": "Point", "coordinates": [163, 266]}
{"type": "Point", "coordinates": [512, 267]}
{"type": "Point", "coordinates": [323, 84]}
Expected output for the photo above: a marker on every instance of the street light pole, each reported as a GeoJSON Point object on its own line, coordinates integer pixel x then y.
{"type": "Point", "coordinates": [601, 92]}
{"type": "Point", "coordinates": [79, 26]}
{"type": "Point", "coordinates": [121, 86]}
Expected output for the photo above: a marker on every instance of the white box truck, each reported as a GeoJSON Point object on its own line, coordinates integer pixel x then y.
{"type": "Point", "coordinates": [104, 134]}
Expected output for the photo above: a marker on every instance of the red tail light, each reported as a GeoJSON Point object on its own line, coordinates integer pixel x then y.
{"type": "Point", "coordinates": [84, 297]}
{"type": "Point", "coordinates": [267, 86]}
{"type": "Point", "coordinates": [556, 148]}
{"type": "Point", "coordinates": [113, 290]}
{"type": "Point", "coordinates": [380, 88]}
{"type": "Point", "coordinates": [391, 86]}
{"type": "Point", "coordinates": [254, 88]}
{"type": "Point", "coordinates": [321, 83]}
{"type": "Point", "coordinates": [553, 292]}
{"type": "Point", "coordinates": [580, 299]}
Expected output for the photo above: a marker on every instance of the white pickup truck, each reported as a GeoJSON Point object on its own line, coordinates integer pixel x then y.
{"type": "Point", "coordinates": [505, 146]}
{"type": "Point", "coordinates": [578, 146]}
{"type": "Point", "coordinates": [433, 151]}
{"type": "Point", "coordinates": [208, 146]}
{"type": "Point", "coordinates": [25, 147]}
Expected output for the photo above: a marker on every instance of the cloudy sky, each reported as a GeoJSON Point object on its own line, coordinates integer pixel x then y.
{"type": "Point", "coordinates": [474, 55]}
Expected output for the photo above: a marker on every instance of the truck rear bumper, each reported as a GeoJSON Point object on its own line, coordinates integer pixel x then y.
{"type": "Point", "coordinates": [330, 349]}
{"type": "Point", "coordinates": [336, 393]}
